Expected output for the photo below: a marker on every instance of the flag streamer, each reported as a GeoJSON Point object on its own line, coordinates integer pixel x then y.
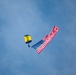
{"type": "Point", "coordinates": [43, 43]}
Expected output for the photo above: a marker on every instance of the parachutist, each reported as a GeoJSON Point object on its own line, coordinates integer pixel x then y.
{"type": "Point", "coordinates": [28, 45]}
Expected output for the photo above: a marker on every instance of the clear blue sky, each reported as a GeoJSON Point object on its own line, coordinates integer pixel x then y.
{"type": "Point", "coordinates": [37, 17]}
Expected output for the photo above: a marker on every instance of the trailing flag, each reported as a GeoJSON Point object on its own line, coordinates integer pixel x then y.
{"type": "Point", "coordinates": [43, 43]}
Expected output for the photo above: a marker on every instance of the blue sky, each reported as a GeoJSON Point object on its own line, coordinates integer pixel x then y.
{"type": "Point", "coordinates": [37, 17]}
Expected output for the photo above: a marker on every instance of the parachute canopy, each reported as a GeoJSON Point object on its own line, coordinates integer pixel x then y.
{"type": "Point", "coordinates": [27, 39]}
